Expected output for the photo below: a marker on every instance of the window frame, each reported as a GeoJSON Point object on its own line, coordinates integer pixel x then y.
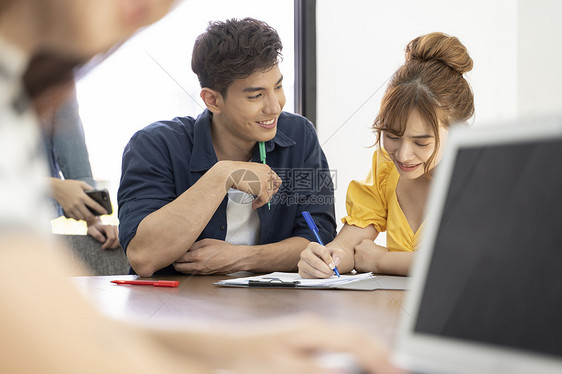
{"type": "Point", "coordinates": [305, 58]}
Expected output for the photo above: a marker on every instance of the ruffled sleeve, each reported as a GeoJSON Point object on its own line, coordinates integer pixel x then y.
{"type": "Point", "coordinates": [367, 200]}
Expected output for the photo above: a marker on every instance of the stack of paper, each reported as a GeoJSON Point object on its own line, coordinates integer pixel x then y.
{"type": "Point", "coordinates": [279, 279]}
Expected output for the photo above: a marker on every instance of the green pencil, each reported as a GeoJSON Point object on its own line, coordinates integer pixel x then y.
{"type": "Point", "coordinates": [262, 158]}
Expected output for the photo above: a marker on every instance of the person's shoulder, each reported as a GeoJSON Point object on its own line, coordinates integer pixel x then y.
{"type": "Point", "coordinates": [166, 130]}
{"type": "Point", "coordinates": [177, 124]}
{"type": "Point", "coordinates": [295, 125]}
{"type": "Point", "coordinates": [287, 119]}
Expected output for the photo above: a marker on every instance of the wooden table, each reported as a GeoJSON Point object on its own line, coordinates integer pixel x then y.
{"type": "Point", "coordinates": [198, 300]}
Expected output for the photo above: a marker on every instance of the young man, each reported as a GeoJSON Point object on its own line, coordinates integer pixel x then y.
{"type": "Point", "coordinates": [187, 184]}
{"type": "Point", "coordinates": [49, 327]}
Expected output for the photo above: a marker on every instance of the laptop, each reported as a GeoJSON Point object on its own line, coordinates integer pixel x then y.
{"type": "Point", "coordinates": [486, 290]}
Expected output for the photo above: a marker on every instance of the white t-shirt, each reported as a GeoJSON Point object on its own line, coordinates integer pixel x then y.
{"type": "Point", "coordinates": [23, 169]}
{"type": "Point", "coordinates": [242, 222]}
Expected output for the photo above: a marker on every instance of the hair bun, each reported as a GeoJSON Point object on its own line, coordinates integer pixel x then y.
{"type": "Point", "coordinates": [440, 47]}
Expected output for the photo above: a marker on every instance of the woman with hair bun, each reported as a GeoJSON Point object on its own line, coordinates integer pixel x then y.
{"type": "Point", "coordinates": [425, 97]}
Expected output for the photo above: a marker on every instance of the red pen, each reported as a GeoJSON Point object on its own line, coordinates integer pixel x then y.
{"type": "Point", "coordinates": [160, 283]}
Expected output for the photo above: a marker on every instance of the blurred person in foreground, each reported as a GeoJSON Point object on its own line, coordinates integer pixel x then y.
{"type": "Point", "coordinates": [47, 326]}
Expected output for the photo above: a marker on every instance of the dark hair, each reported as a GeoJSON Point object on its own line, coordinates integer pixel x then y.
{"type": "Point", "coordinates": [232, 50]}
{"type": "Point", "coordinates": [48, 80]}
{"type": "Point", "coordinates": [430, 81]}
{"type": "Point", "coordinates": [50, 77]}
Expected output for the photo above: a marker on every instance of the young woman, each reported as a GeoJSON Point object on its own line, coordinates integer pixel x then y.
{"type": "Point", "coordinates": [425, 96]}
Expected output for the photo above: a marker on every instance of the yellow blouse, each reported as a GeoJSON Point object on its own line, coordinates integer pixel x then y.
{"type": "Point", "coordinates": [374, 202]}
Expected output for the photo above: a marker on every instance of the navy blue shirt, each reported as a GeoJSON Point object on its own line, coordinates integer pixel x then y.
{"type": "Point", "coordinates": [166, 158]}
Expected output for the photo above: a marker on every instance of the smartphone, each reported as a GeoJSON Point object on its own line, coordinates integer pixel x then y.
{"type": "Point", "coordinates": [102, 198]}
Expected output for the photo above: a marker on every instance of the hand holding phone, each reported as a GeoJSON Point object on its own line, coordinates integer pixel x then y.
{"type": "Point", "coordinates": [102, 198]}
{"type": "Point", "coordinates": [78, 200]}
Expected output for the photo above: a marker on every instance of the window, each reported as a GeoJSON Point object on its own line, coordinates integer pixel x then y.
{"type": "Point", "coordinates": [149, 78]}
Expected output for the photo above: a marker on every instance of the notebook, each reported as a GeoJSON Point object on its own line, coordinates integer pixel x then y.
{"type": "Point", "coordinates": [486, 288]}
{"type": "Point", "coordinates": [357, 282]}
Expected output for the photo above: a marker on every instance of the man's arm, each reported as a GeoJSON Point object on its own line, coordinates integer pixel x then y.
{"type": "Point", "coordinates": [165, 235]}
{"type": "Point", "coordinates": [210, 256]}
{"type": "Point", "coordinates": [280, 256]}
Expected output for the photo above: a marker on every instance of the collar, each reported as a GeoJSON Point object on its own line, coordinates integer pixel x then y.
{"type": "Point", "coordinates": [203, 156]}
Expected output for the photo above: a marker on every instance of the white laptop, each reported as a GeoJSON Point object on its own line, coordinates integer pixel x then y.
{"type": "Point", "coordinates": [486, 290]}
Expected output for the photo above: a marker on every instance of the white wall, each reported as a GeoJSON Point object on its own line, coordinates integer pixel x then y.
{"type": "Point", "coordinates": [515, 47]}
{"type": "Point", "coordinates": [539, 58]}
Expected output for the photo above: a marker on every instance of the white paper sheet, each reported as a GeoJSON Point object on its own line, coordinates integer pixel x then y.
{"type": "Point", "coordinates": [287, 278]}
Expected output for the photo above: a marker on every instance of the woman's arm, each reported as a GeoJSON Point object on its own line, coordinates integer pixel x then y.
{"type": "Point", "coordinates": [372, 257]}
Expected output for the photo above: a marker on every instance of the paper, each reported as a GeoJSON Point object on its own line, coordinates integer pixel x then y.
{"type": "Point", "coordinates": [294, 280]}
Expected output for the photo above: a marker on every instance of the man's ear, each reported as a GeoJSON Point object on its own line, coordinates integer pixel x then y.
{"type": "Point", "coordinates": [213, 100]}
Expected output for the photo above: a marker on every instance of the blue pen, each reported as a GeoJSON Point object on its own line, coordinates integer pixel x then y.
{"type": "Point", "coordinates": [314, 228]}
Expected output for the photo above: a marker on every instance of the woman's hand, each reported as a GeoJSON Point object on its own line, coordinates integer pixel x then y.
{"type": "Point", "coordinates": [318, 261]}
{"type": "Point", "coordinates": [368, 256]}
{"type": "Point", "coordinates": [371, 257]}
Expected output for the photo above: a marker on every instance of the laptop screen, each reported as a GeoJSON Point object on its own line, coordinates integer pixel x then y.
{"type": "Point", "coordinates": [495, 275]}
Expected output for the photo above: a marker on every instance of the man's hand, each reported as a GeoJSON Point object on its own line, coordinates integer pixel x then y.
{"type": "Point", "coordinates": [106, 234]}
{"type": "Point", "coordinates": [211, 256]}
{"type": "Point", "coordinates": [368, 256]}
{"type": "Point", "coordinates": [253, 178]}
{"type": "Point", "coordinates": [73, 200]}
